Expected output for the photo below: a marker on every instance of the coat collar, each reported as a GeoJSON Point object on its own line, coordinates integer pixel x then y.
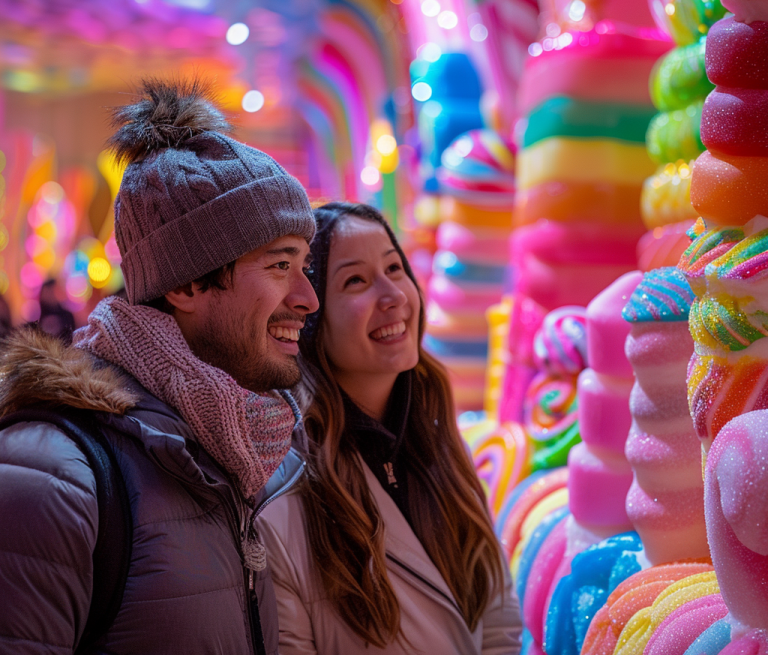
{"type": "Point", "coordinates": [402, 544]}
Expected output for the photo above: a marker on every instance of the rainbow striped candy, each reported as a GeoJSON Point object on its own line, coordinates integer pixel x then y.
{"type": "Point", "coordinates": [663, 295]}
{"type": "Point", "coordinates": [560, 345]}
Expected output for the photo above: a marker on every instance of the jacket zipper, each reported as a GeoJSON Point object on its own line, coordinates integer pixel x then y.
{"type": "Point", "coordinates": [424, 580]}
{"type": "Point", "coordinates": [257, 635]}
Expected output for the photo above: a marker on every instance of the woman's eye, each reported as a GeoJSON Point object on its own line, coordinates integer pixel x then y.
{"type": "Point", "coordinates": [394, 268]}
{"type": "Point", "coordinates": [353, 280]}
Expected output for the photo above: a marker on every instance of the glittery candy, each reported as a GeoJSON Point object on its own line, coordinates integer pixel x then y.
{"type": "Point", "coordinates": [663, 295]}
{"type": "Point", "coordinates": [634, 594]}
{"type": "Point", "coordinates": [719, 322]}
{"type": "Point", "coordinates": [640, 628]}
{"type": "Point", "coordinates": [746, 260]}
{"type": "Point", "coordinates": [697, 229]}
{"type": "Point", "coordinates": [707, 246]}
{"type": "Point", "coordinates": [719, 390]}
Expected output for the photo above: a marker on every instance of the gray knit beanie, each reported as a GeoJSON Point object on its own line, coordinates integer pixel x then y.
{"type": "Point", "coordinates": [193, 199]}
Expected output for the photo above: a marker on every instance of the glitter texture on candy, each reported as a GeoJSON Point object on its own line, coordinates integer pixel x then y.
{"type": "Point", "coordinates": [666, 500]}
{"type": "Point", "coordinates": [663, 295]}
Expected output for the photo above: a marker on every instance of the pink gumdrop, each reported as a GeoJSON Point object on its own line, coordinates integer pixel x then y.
{"type": "Point", "coordinates": [607, 330]}
{"type": "Point", "coordinates": [540, 578]}
{"type": "Point", "coordinates": [604, 417]}
{"type": "Point", "coordinates": [681, 628]}
{"type": "Point", "coordinates": [734, 121]}
{"type": "Point", "coordinates": [736, 54]}
{"type": "Point", "coordinates": [597, 488]}
{"type": "Point", "coordinates": [736, 511]}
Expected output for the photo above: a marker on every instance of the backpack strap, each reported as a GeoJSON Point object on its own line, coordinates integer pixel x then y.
{"type": "Point", "coordinates": [112, 553]}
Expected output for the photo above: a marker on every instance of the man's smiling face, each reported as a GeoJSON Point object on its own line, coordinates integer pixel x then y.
{"type": "Point", "coordinates": [251, 329]}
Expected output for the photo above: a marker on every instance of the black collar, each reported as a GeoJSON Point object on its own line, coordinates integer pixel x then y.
{"type": "Point", "coordinates": [386, 436]}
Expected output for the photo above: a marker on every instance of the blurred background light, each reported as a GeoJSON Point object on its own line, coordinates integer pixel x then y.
{"type": "Point", "coordinates": [253, 101]}
{"type": "Point", "coordinates": [237, 33]}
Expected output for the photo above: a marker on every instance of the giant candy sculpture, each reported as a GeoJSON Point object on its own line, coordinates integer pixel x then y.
{"type": "Point", "coordinates": [666, 500]}
{"type": "Point", "coordinates": [470, 265]}
{"type": "Point", "coordinates": [580, 172]}
{"type": "Point", "coordinates": [726, 610]}
{"type": "Point", "coordinates": [678, 87]}
{"type": "Point", "coordinates": [599, 477]}
{"type": "Point", "coordinates": [728, 378]}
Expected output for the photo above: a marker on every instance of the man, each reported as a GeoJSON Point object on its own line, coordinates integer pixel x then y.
{"type": "Point", "coordinates": [214, 242]}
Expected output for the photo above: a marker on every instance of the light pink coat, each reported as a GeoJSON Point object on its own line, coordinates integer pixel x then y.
{"type": "Point", "coordinates": [430, 618]}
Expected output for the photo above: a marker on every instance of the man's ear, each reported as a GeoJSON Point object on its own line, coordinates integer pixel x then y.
{"type": "Point", "coordinates": [184, 298]}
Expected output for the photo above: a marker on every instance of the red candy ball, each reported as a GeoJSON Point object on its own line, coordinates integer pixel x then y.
{"type": "Point", "coordinates": [735, 121]}
{"type": "Point", "coordinates": [737, 54]}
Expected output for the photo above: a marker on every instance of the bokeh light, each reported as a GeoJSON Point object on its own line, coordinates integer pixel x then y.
{"type": "Point", "coordinates": [478, 33]}
{"type": "Point", "coordinates": [447, 20]}
{"type": "Point", "coordinates": [430, 8]}
{"type": "Point", "coordinates": [430, 52]}
{"type": "Point", "coordinates": [386, 144]}
{"type": "Point", "coordinates": [370, 176]}
{"type": "Point", "coordinates": [237, 33]}
{"type": "Point", "coordinates": [421, 91]}
{"type": "Point", "coordinates": [253, 101]}
{"type": "Point", "coordinates": [99, 271]}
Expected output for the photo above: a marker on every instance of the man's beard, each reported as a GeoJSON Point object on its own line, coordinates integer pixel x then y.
{"type": "Point", "coordinates": [238, 346]}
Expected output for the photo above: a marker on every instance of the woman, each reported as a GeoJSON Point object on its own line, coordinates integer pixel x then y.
{"type": "Point", "coordinates": [387, 545]}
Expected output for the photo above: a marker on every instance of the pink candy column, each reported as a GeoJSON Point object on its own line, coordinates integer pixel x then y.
{"type": "Point", "coordinates": [599, 474]}
{"type": "Point", "coordinates": [666, 501]}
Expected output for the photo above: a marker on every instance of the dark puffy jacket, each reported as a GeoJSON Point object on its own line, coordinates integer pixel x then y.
{"type": "Point", "coordinates": [186, 588]}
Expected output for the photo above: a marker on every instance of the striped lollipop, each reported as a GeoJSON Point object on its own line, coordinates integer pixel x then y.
{"type": "Point", "coordinates": [560, 346]}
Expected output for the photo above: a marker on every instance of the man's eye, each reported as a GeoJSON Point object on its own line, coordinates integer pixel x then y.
{"type": "Point", "coordinates": [283, 266]}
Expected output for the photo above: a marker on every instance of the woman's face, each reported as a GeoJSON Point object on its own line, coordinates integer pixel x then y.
{"type": "Point", "coordinates": [371, 316]}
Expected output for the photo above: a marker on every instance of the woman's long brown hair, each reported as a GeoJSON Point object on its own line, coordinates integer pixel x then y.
{"type": "Point", "coordinates": [344, 526]}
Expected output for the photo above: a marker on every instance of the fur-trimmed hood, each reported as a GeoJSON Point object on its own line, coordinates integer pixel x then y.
{"type": "Point", "coordinates": [37, 369]}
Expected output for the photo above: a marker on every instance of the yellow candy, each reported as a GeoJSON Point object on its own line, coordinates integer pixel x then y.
{"type": "Point", "coordinates": [636, 634]}
{"type": "Point", "coordinates": [498, 354]}
{"type": "Point", "coordinates": [666, 196]}
{"type": "Point", "coordinates": [583, 160]}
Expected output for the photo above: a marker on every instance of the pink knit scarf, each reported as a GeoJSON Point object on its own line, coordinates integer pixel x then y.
{"type": "Point", "coordinates": [248, 434]}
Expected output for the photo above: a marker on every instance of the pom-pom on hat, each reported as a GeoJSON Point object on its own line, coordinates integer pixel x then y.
{"type": "Point", "coordinates": [193, 199]}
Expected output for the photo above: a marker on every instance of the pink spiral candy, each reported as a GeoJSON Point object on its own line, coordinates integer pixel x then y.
{"type": "Point", "coordinates": [560, 346]}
